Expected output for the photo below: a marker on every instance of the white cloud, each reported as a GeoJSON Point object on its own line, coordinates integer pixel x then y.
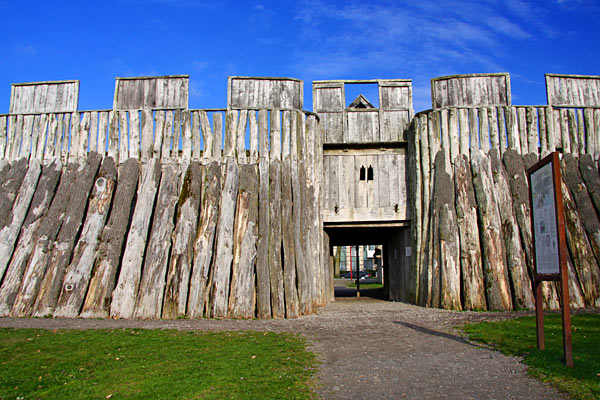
{"type": "Point", "coordinates": [27, 50]}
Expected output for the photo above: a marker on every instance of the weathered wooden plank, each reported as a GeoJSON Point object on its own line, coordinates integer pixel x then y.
{"type": "Point", "coordinates": [94, 132]}
{"type": "Point", "coordinates": [241, 137]}
{"type": "Point", "coordinates": [442, 118]}
{"type": "Point", "coordinates": [203, 244]}
{"type": "Point", "coordinates": [125, 292]}
{"type": "Point", "coordinates": [79, 271]}
{"type": "Point", "coordinates": [10, 189]}
{"type": "Point", "coordinates": [84, 133]}
{"type": "Point", "coordinates": [196, 134]}
{"type": "Point", "coordinates": [10, 137]}
{"type": "Point", "coordinates": [41, 145]}
{"type": "Point", "coordinates": [522, 129]}
{"type": "Point", "coordinates": [564, 129]}
{"type": "Point", "coordinates": [159, 132]}
{"type": "Point", "coordinates": [502, 129]}
{"type": "Point", "coordinates": [494, 267]}
{"type": "Point", "coordinates": [463, 122]}
{"type": "Point", "coordinates": [242, 298]}
{"type": "Point", "coordinates": [176, 135]}
{"type": "Point", "coordinates": [517, 180]}
{"type": "Point", "coordinates": [543, 132]}
{"type": "Point", "coordinates": [229, 145]}
{"type": "Point", "coordinates": [253, 128]}
{"type": "Point", "coordinates": [217, 143]}
{"type": "Point", "coordinates": [515, 256]}
{"type": "Point", "coordinates": [453, 132]}
{"type": "Point", "coordinates": [532, 130]}
{"type": "Point", "coordinates": [576, 147]}
{"type": "Point", "coordinates": [182, 253]}
{"type": "Point", "coordinates": [580, 132]}
{"type": "Point", "coordinates": [134, 134]}
{"type": "Point", "coordinates": [113, 135]}
{"type": "Point", "coordinates": [223, 256]}
{"type": "Point", "coordinates": [588, 121]}
{"type": "Point", "coordinates": [17, 213]}
{"type": "Point", "coordinates": [493, 125]}
{"type": "Point", "coordinates": [263, 282]}
{"type": "Point", "coordinates": [48, 230]}
{"type": "Point", "coordinates": [373, 184]}
{"type": "Point", "coordinates": [424, 294]}
{"type": "Point", "coordinates": [50, 153]}
{"type": "Point", "coordinates": [473, 130]}
{"type": "Point", "coordinates": [167, 137]}
{"type": "Point", "coordinates": [597, 131]}
{"type": "Point", "coordinates": [65, 240]}
{"type": "Point", "coordinates": [207, 138]}
{"type": "Point", "coordinates": [146, 146]}
{"type": "Point", "coordinates": [186, 128]}
{"type": "Point", "coordinates": [27, 130]}
{"type": "Point", "coordinates": [581, 251]}
{"type": "Point", "coordinates": [102, 132]}
{"type": "Point", "coordinates": [44, 192]}
{"type": "Point", "coordinates": [153, 280]}
{"type": "Point", "coordinates": [123, 137]}
{"type": "Point", "coordinates": [473, 287]}
{"type": "Point", "coordinates": [112, 240]}
{"type": "Point", "coordinates": [512, 129]}
{"type": "Point", "coordinates": [484, 130]}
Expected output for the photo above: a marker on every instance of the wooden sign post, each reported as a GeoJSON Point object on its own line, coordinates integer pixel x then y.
{"type": "Point", "coordinates": [549, 244]}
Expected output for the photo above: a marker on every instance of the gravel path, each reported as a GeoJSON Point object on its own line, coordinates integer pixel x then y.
{"type": "Point", "coordinates": [372, 349]}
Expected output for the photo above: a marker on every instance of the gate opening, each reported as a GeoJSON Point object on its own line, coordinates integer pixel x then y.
{"type": "Point", "coordinates": [370, 261]}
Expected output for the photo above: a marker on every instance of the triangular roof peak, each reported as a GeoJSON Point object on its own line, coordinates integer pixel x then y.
{"type": "Point", "coordinates": [361, 102]}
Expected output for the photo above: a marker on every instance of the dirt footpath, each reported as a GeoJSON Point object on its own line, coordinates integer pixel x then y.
{"type": "Point", "coordinates": [372, 349]}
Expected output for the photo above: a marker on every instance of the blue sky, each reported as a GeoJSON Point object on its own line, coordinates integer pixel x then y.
{"type": "Point", "coordinates": [310, 40]}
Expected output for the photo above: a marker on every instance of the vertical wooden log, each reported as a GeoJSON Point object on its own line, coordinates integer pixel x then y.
{"type": "Point", "coordinates": [152, 283]}
{"type": "Point", "coordinates": [515, 256]}
{"type": "Point", "coordinates": [229, 146]}
{"type": "Point", "coordinates": [102, 135]}
{"type": "Point", "coordinates": [10, 189]}
{"type": "Point", "coordinates": [196, 133]}
{"type": "Point", "coordinates": [514, 140]}
{"type": "Point", "coordinates": [94, 132]}
{"type": "Point", "coordinates": [245, 234]}
{"type": "Point", "coordinates": [217, 143]}
{"type": "Point", "coordinates": [581, 251]}
{"type": "Point", "coordinates": [180, 264]}
{"type": "Point", "coordinates": [84, 133]}
{"type": "Point", "coordinates": [564, 129]}
{"type": "Point", "coordinates": [186, 127]}
{"type": "Point", "coordinates": [263, 284]}
{"type": "Point", "coordinates": [113, 135]}
{"type": "Point", "coordinates": [112, 240]}
{"type": "Point", "coordinates": [576, 146]}
{"type": "Point", "coordinates": [40, 203]}
{"type": "Point", "coordinates": [10, 137]}
{"type": "Point", "coordinates": [517, 179]}
{"type": "Point", "coordinates": [543, 132]}
{"type": "Point", "coordinates": [473, 287]}
{"type": "Point", "coordinates": [253, 127]}
{"type": "Point", "coordinates": [575, 293]}
{"type": "Point", "coordinates": [585, 207]}
{"type": "Point", "coordinates": [41, 146]}
{"type": "Point", "coordinates": [176, 135]}
{"type": "Point", "coordinates": [159, 132]}
{"type": "Point", "coordinates": [125, 293]}
{"type": "Point", "coordinates": [588, 121]}
{"type": "Point", "coordinates": [493, 124]}
{"type": "Point", "coordinates": [123, 137]}
{"type": "Point", "coordinates": [17, 214]}
{"type": "Point", "coordinates": [424, 295]}
{"type": "Point", "coordinates": [203, 244]}
{"type": "Point", "coordinates": [473, 130]}
{"type": "Point", "coordinates": [27, 132]}
{"type": "Point", "coordinates": [484, 130]}
{"type": "Point", "coordinates": [275, 262]}
{"type": "Point", "coordinates": [415, 207]}
{"type": "Point", "coordinates": [597, 133]}
{"type": "Point", "coordinates": [207, 137]}
{"type": "Point", "coordinates": [502, 129]}
{"type": "Point", "coordinates": [3, 136]}
{"type": "Point", "coordinates": [463, 121]}
{"type": "Point", "coordinates": [221, 267]}
{"type": "Point", "coordinates": [79, 271]}
{"type": "Point", "coordinates": [550, 128]}
{"type": "Point", "coordinates": [453, 131]}
{"type": "Point", "coordinates": [580, 132]}
{"type": "Point", "coordinates": [522, 117]}
{"type": "Point", "coordinates": [298, 194]}
{"type": "Point", "coordinates": [49, 227]}
{"type": "Point", "coordinates": [287, 231]}
{"type": "Point", "coordinates": [532, 130]}
{"type": "Point", "coordinates": [134, 134]}
{"type": "Point", "coordinates": [445, 131]}
{"type": "Point", "coordinates": [65, 241]}
{"type": "Point", "coordinates": [589, 173]}
{"type": "Point", "coordinates": [50, 153]}
{"type": "Point", "coordinates": [494, 268]}
{"type": "Point", "coordinates": [167, 137]}
{"type": "Point", "coordinates": [146, 149]}
{"type": "Point", "coordinates": [241, 137]}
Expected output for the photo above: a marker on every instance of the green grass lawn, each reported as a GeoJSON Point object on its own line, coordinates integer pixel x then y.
{"type": "Point", "coordinates": [365, 285]}
{"type": "Point", "coordinates": [518, 337]}
{"type": "Point", "coordinates": [153, 364]}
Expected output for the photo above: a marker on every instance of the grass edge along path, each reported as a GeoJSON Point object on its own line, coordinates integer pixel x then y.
{"type": "Point", "coordinates": [147, 364]}
{"type": "Point", "coordinates": [517, 337]}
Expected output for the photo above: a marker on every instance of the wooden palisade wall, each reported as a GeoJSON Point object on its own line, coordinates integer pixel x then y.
{"type": "Point", "coordinates": [158, 212]}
